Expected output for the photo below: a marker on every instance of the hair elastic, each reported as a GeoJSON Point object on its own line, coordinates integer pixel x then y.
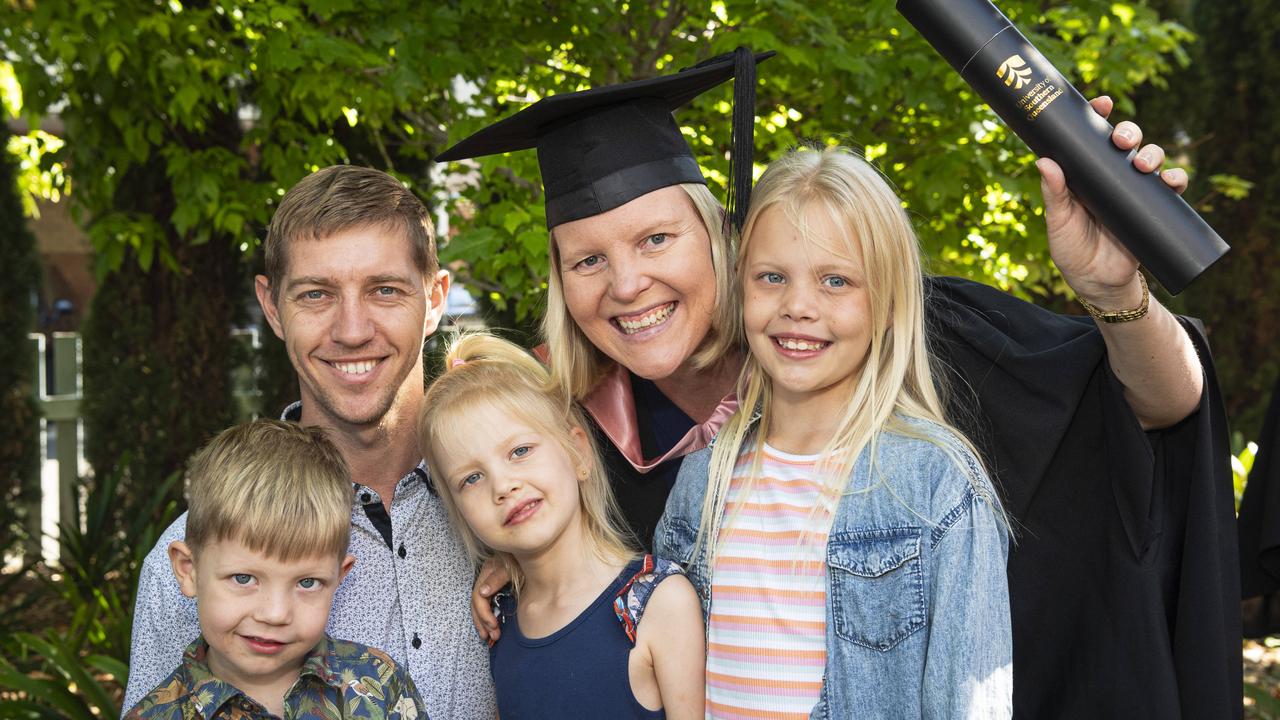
{"type": "Point", "coordinates": [456, 362]}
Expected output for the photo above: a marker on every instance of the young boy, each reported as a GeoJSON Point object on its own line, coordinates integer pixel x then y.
{"type": "Point", "coordinates": [268, 524]}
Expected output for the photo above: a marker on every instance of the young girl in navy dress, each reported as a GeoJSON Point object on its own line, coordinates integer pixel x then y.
{"type": "Point", "coordinates": [848, 546]}
{"type": "Point", "coordinates": [509, 455]}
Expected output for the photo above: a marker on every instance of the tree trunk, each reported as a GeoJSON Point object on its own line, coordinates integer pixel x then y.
{"type": "Point", "coordinates": [1239, 128]}
{"type": "Point", "coordinates": [157, 354]}
{"type": "Point", "coordinates": [19, 284]}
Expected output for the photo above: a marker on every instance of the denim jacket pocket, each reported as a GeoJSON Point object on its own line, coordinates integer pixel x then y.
{"type": "Point", "coordinates": [877, 586]}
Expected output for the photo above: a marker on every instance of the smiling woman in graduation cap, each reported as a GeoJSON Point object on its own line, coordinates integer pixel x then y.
{"type": "Point", "coordinates": [640, 267]}
{"type": "Point", "coordinates": [1097, 429]}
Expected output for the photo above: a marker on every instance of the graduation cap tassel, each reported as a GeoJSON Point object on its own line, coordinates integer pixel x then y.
{"type": "Point", "coordinates": [742, 143]}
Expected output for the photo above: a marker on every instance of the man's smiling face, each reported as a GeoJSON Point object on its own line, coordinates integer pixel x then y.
{"type": "Point", "coordinates": [353, 310]}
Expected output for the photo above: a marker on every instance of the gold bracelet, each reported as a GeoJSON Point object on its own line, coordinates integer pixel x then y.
{"type": "Point", "coordinates": [1121, 316]}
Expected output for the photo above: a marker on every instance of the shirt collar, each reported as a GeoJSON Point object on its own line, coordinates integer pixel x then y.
{"type": "Point", "coordinates": [293, 413]}
{"type": "Point", "coordinates": [613, 407]}
{"type": "Point", "coordinates": [321, 662]}
{"type": "Point", "coordinates": [210, 693]}
{"type": "Point", "coordinates": [419, 473]}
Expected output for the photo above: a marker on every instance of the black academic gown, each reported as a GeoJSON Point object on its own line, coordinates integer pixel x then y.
{"type": "Point", "coordinates": [643, 496]}
{"type": "Point", "coordinates": [1259, 527]}
{"type": "Point", "coordinates": [1123, 578]}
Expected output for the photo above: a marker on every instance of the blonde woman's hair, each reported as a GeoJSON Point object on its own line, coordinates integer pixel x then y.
{"type": "Point", "coordinates": [279, 488]}
{"type": "Point", "coordinates": [482, 370]}
{"type": "Point", "coordinates": [577, 365]}
{"type": "Point", "coordinates": [896, 381]}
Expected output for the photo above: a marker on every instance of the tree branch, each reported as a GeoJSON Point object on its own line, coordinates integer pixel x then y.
{"type": "Point", "coordinates": [382, 149]}
{"type": "Point", "coordinates": [661, 30]}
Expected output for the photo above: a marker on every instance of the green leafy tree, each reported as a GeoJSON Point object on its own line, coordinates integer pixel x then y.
{"type": "Point", "coordinates": [185, 123]}
{"type": "Point", "coordinates": [849, 73]}
{"type": "Point", "coordinates": [19, 285]}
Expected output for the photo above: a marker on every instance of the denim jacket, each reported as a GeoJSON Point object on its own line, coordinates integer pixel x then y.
{"type": "Point", "coordinates": [918, 619]}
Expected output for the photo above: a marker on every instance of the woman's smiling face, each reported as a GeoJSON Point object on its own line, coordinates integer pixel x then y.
{"type": "Point", "coordinates": [639, 281]}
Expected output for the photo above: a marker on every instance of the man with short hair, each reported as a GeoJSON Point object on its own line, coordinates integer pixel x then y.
{"type": "Point", "coordinates": [353, 287]}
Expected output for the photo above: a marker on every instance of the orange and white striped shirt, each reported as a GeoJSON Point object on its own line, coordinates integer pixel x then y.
{"type": "Point", "coordinates": [766, 647]}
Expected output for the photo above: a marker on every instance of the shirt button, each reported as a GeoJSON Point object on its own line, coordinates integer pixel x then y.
{"type": "Point", "coordinates": [365, 497]}
{"type": "Point", "coordinates": [417, 642]}
{"type": "Point", "coordinates": [402, 551]}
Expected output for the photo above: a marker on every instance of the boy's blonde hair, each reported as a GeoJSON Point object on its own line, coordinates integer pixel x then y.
{"type": "Point", "coordinates": [483, 370]}
{"type": "Point", "coordinates": [279, 488]}
{"type": "Point", "coordinates": [577, 365]}
{"type": "Point", "coordinates": [896, 382]}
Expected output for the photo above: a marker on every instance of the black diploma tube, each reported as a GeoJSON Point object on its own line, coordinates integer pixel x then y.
{"type": "Point", "coordinates": [1055, 121]}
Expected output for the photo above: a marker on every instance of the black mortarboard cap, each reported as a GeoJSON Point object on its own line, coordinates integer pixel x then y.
{"type": "Point", "coordinates": [603, 147]}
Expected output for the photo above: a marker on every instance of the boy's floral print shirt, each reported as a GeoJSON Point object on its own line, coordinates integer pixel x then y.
{"type": "Point", "coordinates": [339, 679]}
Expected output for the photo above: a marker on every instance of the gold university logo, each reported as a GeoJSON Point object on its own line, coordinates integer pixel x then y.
{"type": "Point", "coordinates": [1014, 70]}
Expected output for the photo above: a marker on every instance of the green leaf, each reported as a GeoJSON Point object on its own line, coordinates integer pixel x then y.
{"type": "Point", "coordinates": [186, 99]}
{"type": "Point", "coordinates": [118, 670]}
{"type": "Point", "coordinates": [52, 693]}
{"type": "Point", "coordinates": [514, 218]}
{"type": "Point", "coordinates": [20, 709]}
{"type": "Point", "coordinates": [471, 245]}
{"type": "Point", "coordinates": [1233, 186]}
{"type": "Point", "coordinates": [1264, 702]}
{"type": "Point", "coordinates": [146, 252]}
{"type": "Point", "coordinates": [533, 241]}
{"type": "Point", "coordinates": [115, 57]}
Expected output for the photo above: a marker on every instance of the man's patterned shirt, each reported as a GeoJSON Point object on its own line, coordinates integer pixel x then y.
{"type": "Point", "coordinates": [338, 679]}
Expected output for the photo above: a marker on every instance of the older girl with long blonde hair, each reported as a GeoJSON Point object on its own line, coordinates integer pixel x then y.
{"type": "Point", "coordinates": [848, 546]}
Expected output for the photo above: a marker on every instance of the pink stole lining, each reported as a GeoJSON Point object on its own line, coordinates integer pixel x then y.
{"type": "Point", "coordinates": [614, 410]}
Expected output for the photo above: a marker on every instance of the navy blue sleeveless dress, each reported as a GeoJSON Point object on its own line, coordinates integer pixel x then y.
{"type": "Point", "coordinates": [579, 671]}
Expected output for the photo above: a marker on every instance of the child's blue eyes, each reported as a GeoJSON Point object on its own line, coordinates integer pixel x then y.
{"type": "Point", "coordinates": [831, 281]}
{"type": "Point", "coordinates": [245, 579]}
{"type": "Point", "coordinates": [519, 452]}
